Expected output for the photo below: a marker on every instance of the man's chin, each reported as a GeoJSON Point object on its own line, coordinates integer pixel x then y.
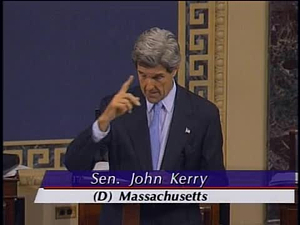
{"type": "Point", "coordinates": [153, 100]}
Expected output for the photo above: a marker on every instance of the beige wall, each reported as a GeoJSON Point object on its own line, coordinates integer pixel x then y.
{"type": "Point", "coordinates": [246, 97]}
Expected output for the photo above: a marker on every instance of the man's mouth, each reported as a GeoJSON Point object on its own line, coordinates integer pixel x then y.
{"type": "Point", "coordinates": [153, 93]}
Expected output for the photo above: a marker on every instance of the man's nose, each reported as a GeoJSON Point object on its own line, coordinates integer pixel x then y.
{"type": "Point", "coordinates": [149, 84]}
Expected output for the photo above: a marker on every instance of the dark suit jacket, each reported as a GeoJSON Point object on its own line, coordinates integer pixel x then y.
{"type": "Point", "coordinates": [128, 146]}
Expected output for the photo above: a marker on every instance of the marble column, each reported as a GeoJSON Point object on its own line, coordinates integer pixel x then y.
{"type": "Point", "coordinates": [283, 87]}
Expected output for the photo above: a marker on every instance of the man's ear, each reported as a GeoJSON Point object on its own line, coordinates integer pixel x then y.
{"type": "Point", "coordinates": [174, 72]}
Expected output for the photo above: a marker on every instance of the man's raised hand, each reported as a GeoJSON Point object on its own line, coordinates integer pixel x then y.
{"type": "Point", "coordinates": [121, 103]}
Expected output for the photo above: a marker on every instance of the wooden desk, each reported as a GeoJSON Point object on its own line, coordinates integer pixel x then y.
{"type": "Point", "coordinates": [10, 194]}
{"type": "Point", "coordinates": [13, 206]}
{"type": "Point", "coordinates": [289, 212]}
{"type": "Point", "coordinates": [210, 214]}
{"type": "Point", "coordinates": [89, 214]}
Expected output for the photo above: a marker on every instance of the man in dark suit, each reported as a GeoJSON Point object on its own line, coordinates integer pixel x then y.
{"type": "Point", "coordinates": [157, 125]}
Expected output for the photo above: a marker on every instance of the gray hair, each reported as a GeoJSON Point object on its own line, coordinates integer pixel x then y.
{"type": "Point", "coordinates": [157, 47]}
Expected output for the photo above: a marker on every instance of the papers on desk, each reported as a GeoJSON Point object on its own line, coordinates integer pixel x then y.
{"type": "Point", "coordinates": [14, 171]}
{"type": "Point", "coordinates": [284, 178]}
{"type": "Point", "coordinates": [101, 166]}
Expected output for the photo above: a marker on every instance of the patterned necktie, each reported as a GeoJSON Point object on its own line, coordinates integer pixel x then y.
{"type": "Point", "coordinates": [155, 135]}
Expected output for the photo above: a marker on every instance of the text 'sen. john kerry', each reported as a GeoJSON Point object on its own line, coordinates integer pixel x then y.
{"type": "Point", "coordinates": [148, 179]}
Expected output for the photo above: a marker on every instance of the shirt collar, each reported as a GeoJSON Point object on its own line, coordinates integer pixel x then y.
{"type": "Point", "coordinates": [167, 102]}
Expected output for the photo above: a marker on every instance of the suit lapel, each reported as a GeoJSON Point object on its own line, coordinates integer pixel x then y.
{"type": "Point", "coordinates": [177, 132]}
{"type": "Point", "coordinates": [137, 126]}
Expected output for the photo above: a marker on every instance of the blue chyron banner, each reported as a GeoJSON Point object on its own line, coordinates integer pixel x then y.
{"type": "Point", "coordinates": [247, 179]}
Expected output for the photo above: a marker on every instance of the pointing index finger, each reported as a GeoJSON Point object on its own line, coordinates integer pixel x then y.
{"type": "Point", "coordinates": [126, 84]}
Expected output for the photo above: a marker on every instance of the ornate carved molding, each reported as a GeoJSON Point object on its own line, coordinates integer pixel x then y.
{"type": "Point", "coordinates": [202, 34]}
{"type": "Point", "coordinates": [39, 154]}
{"type": "Point", "coordinates": [220, 95]}
{"type": "Point", "coordinates": [31, 177]}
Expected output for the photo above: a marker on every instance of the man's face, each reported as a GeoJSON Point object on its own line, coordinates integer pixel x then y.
{"type": "Point", "coordinates": [156, 82]}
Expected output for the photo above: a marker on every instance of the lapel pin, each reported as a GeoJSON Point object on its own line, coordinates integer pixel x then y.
{"type": "Point", "coordinates": [187, 130]}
